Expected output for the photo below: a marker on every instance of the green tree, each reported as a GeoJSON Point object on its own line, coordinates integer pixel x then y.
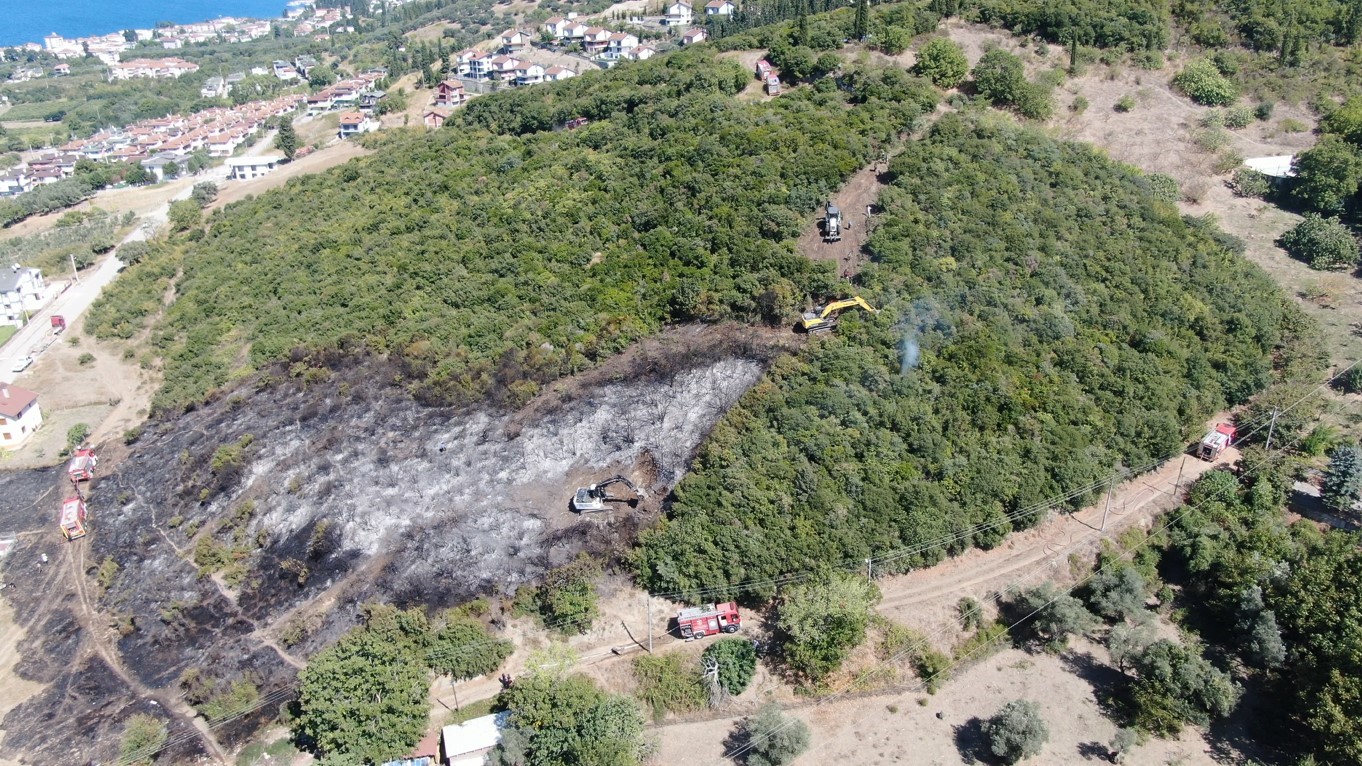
{"type": "Point", "coordinates": [462, 648]}
{"type": "Point", "coordinates": [773, 738]}
{"type": "Point", "coordinates": [171, 170]}
{"type": "Point", "coordinates": [1016, 732]}
{"type": "Point", "coordinates": [365, 696]}
{"type": "Point", "coordinates": [1345, 121]}
{"type": "Point", "coordinates": [895, 40]}
{"type": "Point", "coordinates": [133, 252]}
{"type": "Point", "coordinates": [204, 193]}
{"type": "Point", "coordinates": [566, 721]}
{"type": "Point", "coordinates": [1324, 243]}
{"type": "Point", "coordinates": [184, 214]}
{"type": "Point", "coordinates": [1327, 175]}
{"type": "Point", "coordinates": [286, 140]}
{"type": "Point", "coordinates": [142, 738]}
{"type": "Point", "coordinates": [1343, 478]}
{"type": "Point", "coordinates": [999, 77]}
{"type": "Point", "coordinates": [860, 25]}
{"type": "Point", "coordinates": [666, 683]}
{"type": "Point", "coordinates": [1175, 685]}
{"type": "Point", "coordinates": [136, 175]}
{"type": "Point", "coordinates": [824, 621]}
{"type": "Point", "coordinates": [567, 599]}
{"type": "Point", "coordinates": [943, 62]}
{"type": "Point", "coordinates": [1204, 84]}
{"type": "Point", "coordinates": [1117, 593]}
{"type": "Point", "coordinates": [1050, 615]}
{"type": "Point", "coordinates": [734, 662]}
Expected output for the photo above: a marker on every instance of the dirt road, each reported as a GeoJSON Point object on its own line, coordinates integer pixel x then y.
{"type": "Point", "coordinates": [855, 198]}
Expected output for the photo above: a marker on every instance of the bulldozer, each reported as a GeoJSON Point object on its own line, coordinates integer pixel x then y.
{"type": "Point", "coordinates": [597, 498]}
{"type": "Point", "coordinates": [824, 318]}
{"type": "Point", "coordinates": [832, 223]}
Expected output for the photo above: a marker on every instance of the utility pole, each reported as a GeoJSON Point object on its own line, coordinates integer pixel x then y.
{"type": "Point", "coordinates": [869, 570]}
{"type": "Point", "coordinates": [74, 274]}
{"type": "Point", "coordinates": [1177, 485]}
{"type": "Point", "coordinates": [1270, 427]}
{"type": "Point", "coordinates": [1110, 487]}
{"type": "Point", "coordinates": [649, 597]}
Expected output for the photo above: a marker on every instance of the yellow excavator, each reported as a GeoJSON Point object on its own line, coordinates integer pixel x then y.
{"type": "Point", "coordinates": [824, 318]}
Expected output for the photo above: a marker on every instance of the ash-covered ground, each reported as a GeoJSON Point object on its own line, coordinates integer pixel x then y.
{"type": "Point", "coordinates": [320, 491]}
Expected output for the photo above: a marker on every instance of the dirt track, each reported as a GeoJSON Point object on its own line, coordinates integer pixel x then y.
{"type": "Point", "coordinates": [861, 191]}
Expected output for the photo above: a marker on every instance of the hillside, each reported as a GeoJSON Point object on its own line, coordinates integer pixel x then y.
{"type": "Point", "coordinates": [497, 254]}
{"type": "Point", "coordinates": [1068, 323]}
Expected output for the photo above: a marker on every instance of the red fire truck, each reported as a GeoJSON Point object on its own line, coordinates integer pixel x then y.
{"type": "Point", "coordinates": [82, 466]}
{"type": "Point", "coordinates": [701, 621]}
{"type": "Point", "coordinates": [73, 518]}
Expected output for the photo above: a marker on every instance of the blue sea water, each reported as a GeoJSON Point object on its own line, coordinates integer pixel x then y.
{"type": "Point", "coordinates": [29, 21]}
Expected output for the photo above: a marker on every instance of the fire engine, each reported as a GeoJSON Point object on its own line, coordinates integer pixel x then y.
{"type": "Point", "coordinates": [82, 466]}
{"type": "Point", "coordinates": [1215, 442]}
{"type": "Point", "coordinates": [73, 518]}
{"type": "Point", "coordinates": [701, 621]}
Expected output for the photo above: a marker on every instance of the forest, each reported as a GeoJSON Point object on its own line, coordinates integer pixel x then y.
{"type": "Point", "coordinates": [1045, 320]}
{"type": "Point", "coordinates": [497, 253]}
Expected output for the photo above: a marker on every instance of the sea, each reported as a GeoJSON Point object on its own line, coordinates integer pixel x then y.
{"type": "Point", "coordinates": [29, 21]}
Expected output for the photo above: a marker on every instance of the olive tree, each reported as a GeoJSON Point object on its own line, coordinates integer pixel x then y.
{"type": "Point", "coordinates": [1324, 243]}
{"type": "Point", "coordinates": [1017, 732]}
{"type": "Point", "coordinates": [943, 62]}
{"type": "Point", "coordinates": [771, 738]}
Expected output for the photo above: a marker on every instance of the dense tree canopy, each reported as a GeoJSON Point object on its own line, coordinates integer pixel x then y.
{"type": "Point", "coordinates": [1067, 323]}
{"type": "Point", "coordinates": [497, 254]}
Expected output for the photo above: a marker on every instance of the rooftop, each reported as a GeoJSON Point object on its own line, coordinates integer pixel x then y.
{"type": "Point", "coordinates": [14, 400]}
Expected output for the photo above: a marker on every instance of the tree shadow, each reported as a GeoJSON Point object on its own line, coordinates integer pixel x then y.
{"type": "Point", "coordinates": [1094, 751]}
{"type": "Point", "coordinates": [970, 742]}
{"type": "Point", "coordinates": [1109, 685]}
{"type": "Point", "coordinates": [737, 742]}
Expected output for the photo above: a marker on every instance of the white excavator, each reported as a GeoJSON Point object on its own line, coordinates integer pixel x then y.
{"type": "Point", "coordinates": [598, 498]}
{"type": "Point", "coordinates": [832, 223]}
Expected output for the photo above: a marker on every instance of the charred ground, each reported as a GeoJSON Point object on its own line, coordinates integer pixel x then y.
{"type": "Point", "coordinates": [242, 535]}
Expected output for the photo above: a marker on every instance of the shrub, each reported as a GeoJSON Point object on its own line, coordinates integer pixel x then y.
{"type": "Point", "coordinates": [735, 662]}
{"type": "Point", "coordinates": [1164, 187]}
{"type": "Point", "coordinates": [1248, 182]}
{"type": "Point", "coordinates": [970, 612]}
{"type": "Point", "coordinates": [825, 620]}
{"type": "Point", "coordinates": [999, 77]}
{"type": "Point", "coordinates": [142, 738]}
{"type": "Point", "coordinates": [943, 62]}
{"type": "Point", "coordinates": [1343, 478]}
{"type": "Point", "coordinates": [1290, 125]}
{"type": "Point", "coordinates": [1204, 84]}
{"type": "Point", "coordinates": [773, 739]}
{"type": "Point", "coordinates": [1125, 103]}
{"type": "Point", "coordinates": [1238, 117]}
{"type": "Point", "coordinates": [1324, 243]}
{"type": "Point", "coordinates": [1327, 175]}
{"type": "Point", "coordinates": [567, 599]}
{"type": "Point", "coordinates": [1176, 685]}
{"type": "Point", "coordinates": [666, 685]}
{"type": "Point", "coordinates": [86, 359]}
{"type": "Point", "coordinates": [77, 434]}
{"type": "Point", "coordinates": [1263, 111]}
{"type": "Point", "coordinates": [1078, 105]}
{"type": "Point", "coordinates": [1017, 732]}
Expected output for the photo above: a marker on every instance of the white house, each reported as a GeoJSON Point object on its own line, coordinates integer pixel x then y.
{"type": "Point", "coordinates": [641, 53]}
{"type": "Point", "coordinates": [354, 123]}
{"type": "Point", "coordinates": [555, 73]}
{"type": "Point", "coordinates": [20, 415]}
{"type": "Point", "coordinates": [595, 40]}
{"type": "Point", "coordinates": [247, 168]}
{"type": "Point", "coordinates": [720, 8]}
{"type": "Point", "coordinates": [468, 743]}
{"type": "Point", "coordinates": [618, 45]}
{"type": "Point", "coordinates": [697, 35]}
{"type": "Point", "coordinates": [21, 290]}
{"type": "Point", "coordinates": [528, 73]}
{"type": "Point", "coordinates": [678, 15]}
{"type": "Point", "coordinates": [515, 40]}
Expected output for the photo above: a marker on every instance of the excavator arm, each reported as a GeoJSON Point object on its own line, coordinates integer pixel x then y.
{"type": "Point", "coordinates": [823, 319]}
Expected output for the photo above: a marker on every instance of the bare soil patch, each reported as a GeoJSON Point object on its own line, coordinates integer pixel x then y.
{"type": "Point", "coordinates": [856, 199]}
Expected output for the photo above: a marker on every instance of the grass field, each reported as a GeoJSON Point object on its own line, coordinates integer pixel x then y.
{"type": "Point", "coordinates": [35, 111]}
{"type": "Point", "coordinates": [7, 332]}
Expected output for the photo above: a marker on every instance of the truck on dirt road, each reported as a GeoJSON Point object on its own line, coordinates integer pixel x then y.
{"type": "Point", "coordinates": [701, 621]}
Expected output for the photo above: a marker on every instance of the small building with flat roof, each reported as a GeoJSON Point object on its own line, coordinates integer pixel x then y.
{"type": "Point", "coordinates": [247, 168]}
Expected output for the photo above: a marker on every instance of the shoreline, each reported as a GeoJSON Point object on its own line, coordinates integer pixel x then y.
{"type": "Point", "coordinates": [281, 16]}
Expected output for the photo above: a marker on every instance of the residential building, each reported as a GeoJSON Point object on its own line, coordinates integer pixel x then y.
{"type": "Point", "coordinates": [21, 293]}
{"type": "Point", "coordinates": [15, 182]}
{"type": "Point", "coordinates": [720, 8]}
{"type": "Point", "coordinates": [678, 14]}
{"type": "Point", "coordinates": [248, 168]}
{"type": "Point", "coordinates": [304, 64]}
{"type": "Point", "coordinates": [595, 40]}
{"type": "Point", "coordinates": [555, 73]}
{"type": "Point", "coordinates": [449, 93]}
{"type": "Point", "coordinates": [697, 35]}
{"type": "Point", "coordinates": [354, 123]}
{"type": "Point", "coordinates": [166, 68]}
{"type": "Point", "coordinates": [641, 53]}
{"type": "Point", "coordinates": [516, 40]}
{"type": "Point", "coordinates": [528, 73]}
{"type": "Point", "coordinates": [215, 87]}
{"type": "Point", "coordinates": [470, 742]}
{"type": "Point", "coordinates": [435, 117]}
{"type": "Point", "coordinates": [156, 165]}
{"type": "Point", "coordinates": [618, 45]}
{"type": "Point", "coordinates": [20, 416]}
{"type": "Point", "coordinates": [61, 70]}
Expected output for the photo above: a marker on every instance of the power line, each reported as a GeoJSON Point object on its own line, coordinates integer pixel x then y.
{"type": "Point", "coordinates": [750, 744]}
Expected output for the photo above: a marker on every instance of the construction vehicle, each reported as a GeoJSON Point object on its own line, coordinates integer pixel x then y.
{"type": "Point", "coordinates": [832, 223]}
{"type": "Point", "coordinates": [1215, 442]}
{"type": "Point", "coordinates": [596, 497]}
{"type": "Point", "coordinates": [701, 621]}
{"type": "Point", "coordinates": [824, 318]}
{"type": "Point", "coordinates": [72, 518]}
{"type": "Point", "coordinates": [82, 466]}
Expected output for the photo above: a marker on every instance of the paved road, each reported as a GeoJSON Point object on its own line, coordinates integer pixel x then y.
{"type": "Point", "coordinates": [76, 297]}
